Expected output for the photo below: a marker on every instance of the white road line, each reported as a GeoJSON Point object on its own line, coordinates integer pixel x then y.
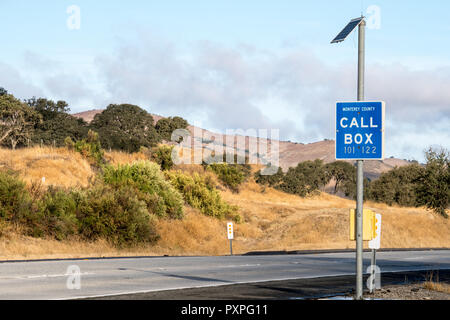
{"type": "Point", "coordinates": [40, 276]}
{"type": "Point", "coordinates": [239, 265]}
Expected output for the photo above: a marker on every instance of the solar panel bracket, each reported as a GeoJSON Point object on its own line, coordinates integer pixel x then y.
{"type": "Point", "coordinates": [348, 29]}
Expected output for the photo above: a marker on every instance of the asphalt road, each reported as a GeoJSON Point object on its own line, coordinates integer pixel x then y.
{"type": "Point", "coordinates": [109, 277]}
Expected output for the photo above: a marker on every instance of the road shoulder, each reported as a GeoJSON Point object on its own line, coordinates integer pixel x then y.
{"type": "Point", "coordinates": [315, 288]}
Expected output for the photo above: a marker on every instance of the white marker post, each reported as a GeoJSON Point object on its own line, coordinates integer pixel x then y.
{"type": "Point", "coordinates": [375, 244]}
{"type": "Point", "coordinates": [230, 236]}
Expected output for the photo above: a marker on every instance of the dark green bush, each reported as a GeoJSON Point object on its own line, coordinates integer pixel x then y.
{"type": "Point", "coordinates": [52, 215]}
{"type": "Point", "coordinates": [15, 200]}
{"type": "Point", "coordinates": [231, 175]}
{"type": "Point", "coordinates": [56, 215]}
{"type": "Point", "coordinates": [304, 179]}
{"type": "Point", "coordinates": [162, 155]}
{"type": "Point", "coordinates": [125, 127]}
{"type": "Point", "coordinates": [433, 187]}
{"type": "Point", "coordinates": [349, 188]}
{"type": "Point", "coordinates": [269, 180]}
{"type": "Point", "coordinates": [166, 126]}
{"type": "Point", "coordinates": [232, 170]}
{"type": "Point", "coordinates": [57, 123]}
{"type": "Point", "coordinates": [397, 186]}
{"type": "Point", "coordinates": [114, 214]}
{"type": "Point", "coordinates": [147, 178]}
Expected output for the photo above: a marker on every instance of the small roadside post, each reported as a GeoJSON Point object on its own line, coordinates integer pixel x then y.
{"type": "Point", "coordinates": [375, 245]}
{"type": "Point", "coordinates": [230, 233]}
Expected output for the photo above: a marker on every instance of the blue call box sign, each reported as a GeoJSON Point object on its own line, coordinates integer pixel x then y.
{"type": "Point", "coordinates": [360, 130]}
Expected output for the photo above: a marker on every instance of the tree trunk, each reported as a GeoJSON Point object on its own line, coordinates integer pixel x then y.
{"type": "Point", "coordinates": [5, 135]}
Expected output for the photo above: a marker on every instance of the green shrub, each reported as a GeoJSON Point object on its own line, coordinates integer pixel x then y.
{"type": "Point", "coordinates": [56, 215]}
{"type": "Point", "coordinates": [162, 155]}
{"type": "Point", "coordinates": [89, 148]}
{"type": "Point", "coordinates": [231, 175]}
{"type": "Point", "coordinates": [146, 177]}
{"type": "Point", "coordinates": [51, 215]}
{"type": "Point", "coordinates": [232, 171]}
{"type": "Point", "coordinates": [199, 192]}
{"type": "Point", "coordinates": [15, 200]}
{"type": "Point", "coordinates": [116, 215]}
{"type": "Point", "coordinates": [120, 214]}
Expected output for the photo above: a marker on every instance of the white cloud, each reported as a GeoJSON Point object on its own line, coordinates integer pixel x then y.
{"type": "Point", "coordinates": [13, 81]}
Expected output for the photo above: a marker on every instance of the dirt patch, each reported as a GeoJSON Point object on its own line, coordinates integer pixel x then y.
{"type": "Point", "coordinates": [409, 292]}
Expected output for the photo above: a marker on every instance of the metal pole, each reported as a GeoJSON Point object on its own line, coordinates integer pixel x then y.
{"type": "Point", "coordinates": [361, 59]}
{"type": "Point", "coordinates": [360, 172]}
{"type": "Point", "coordinates": [231, 247]}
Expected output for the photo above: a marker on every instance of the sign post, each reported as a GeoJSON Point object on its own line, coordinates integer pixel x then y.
{"type": "Point", "coordinates": [356, 145]}
{"type": "Point", "coordinates": [230, 233]}
{"type": "Point", "coordinates": [360, 136]}
{"type": "Point", "coordinates": [375, 245]}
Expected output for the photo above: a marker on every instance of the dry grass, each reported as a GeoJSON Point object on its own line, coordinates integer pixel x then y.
{"type": "Point", "coordinates": [432, 283]}
{"type": "Point", "coordinates": [14, 246]}
{"type": "Point", "coordinates": [436, 286]}
{"type": "Point", "coordinates": [58, 166]}
{"type": "Point", "coordinates": [285, 221]}
{"type": "Point", "coordinates": [118, 157]}
{"type": "Point", "coordinates": [196, 234]}
{"type": "Point", "coordinates": [273, 220]}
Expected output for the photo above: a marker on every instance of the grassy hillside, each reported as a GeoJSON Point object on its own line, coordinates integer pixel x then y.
{"type": "Point", "coordinates": [58, 166]}
{"type": "Point", "coordinates": [272, 220]}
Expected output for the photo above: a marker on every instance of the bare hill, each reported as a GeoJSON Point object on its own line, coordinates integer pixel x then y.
{"type": "Point", "coordinates": [87, 116]}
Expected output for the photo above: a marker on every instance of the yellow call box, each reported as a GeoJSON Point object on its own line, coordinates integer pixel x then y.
{"type": "Point", "coordinates": [369, 222]}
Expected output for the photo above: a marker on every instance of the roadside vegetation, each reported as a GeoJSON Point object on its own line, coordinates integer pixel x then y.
{"type": "Point", "coordinates": [120, 202]}
{"type": "Point", "coordinates": [113, 180]}
{"type": "Point", "coordinates": [433, 283]}
{"type": "Point", "coordinates": [409, 186]}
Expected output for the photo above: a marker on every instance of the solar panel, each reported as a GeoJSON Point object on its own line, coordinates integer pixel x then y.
{"type": "Point", "coordinates": [347, 30]}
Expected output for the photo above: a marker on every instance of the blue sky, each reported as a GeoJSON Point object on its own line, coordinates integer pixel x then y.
{"type": "Point", "coordinates": [409, 28]}
{"type": "Point", "coordinates": [237, 64]}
